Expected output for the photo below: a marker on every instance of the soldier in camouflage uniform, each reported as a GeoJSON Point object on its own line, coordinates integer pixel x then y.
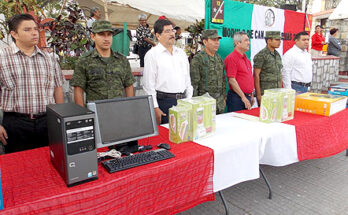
{"type": "Point", "coordinates": [102, 73]}
{"type": "Point", "coordinates": [207, 70]}
{"type": "Point", "coordinates": [268, 65]}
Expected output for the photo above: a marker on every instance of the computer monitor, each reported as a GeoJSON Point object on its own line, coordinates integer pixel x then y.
{"type": "Point", "coordinates": [122, 121]}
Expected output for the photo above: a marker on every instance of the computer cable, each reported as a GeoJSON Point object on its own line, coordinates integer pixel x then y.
{"type": "Point", "coordinates": [113, 153]}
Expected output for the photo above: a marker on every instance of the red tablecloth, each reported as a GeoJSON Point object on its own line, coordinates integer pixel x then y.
{"type": "Point", "coordinates": [317, 136]}
{"type": "Point", "coordinates": [32, 185]}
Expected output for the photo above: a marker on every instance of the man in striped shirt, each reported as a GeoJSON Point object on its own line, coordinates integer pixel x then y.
{"type": "Point", "coordinates": [29, 80]}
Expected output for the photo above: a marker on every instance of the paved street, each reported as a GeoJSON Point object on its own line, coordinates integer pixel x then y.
{"type": "Point", "coordinates": [314, 187]}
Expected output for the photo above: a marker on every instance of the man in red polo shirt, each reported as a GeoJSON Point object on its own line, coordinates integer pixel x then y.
{"type": "Point", "coordinates": [318, 41]}
{"type": "Point", "coordinates": [239, 75]}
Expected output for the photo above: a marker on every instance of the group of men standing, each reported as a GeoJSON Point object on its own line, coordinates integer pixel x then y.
{"type": "Point", "coordinates": [30, 79]}
{"type": "Point", "coordinates": [246, 82]}
{"type": "Point", "coordinates": [168, 76]}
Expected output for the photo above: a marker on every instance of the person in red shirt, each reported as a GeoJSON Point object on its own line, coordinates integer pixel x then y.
{"type": "Point", "coordinates": [318, 41]}
{"type": "Point", "coordinates": [239, 75]}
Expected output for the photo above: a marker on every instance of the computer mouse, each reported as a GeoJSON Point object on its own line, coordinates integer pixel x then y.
{"type": "Point", "coordinates": [164, 146]}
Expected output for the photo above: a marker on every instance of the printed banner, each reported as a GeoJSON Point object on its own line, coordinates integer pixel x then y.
{"type": "Point", "coordinates": [254, 20]}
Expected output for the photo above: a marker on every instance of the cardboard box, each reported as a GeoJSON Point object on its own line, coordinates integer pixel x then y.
{"type": "Point", "coordinates": [179, 126]}
{"type": "Point", "coordinates": [287, 99]}
{"type": "Point", "coordinates": [341, 89]}
{"type": "Point", "coordinates": [271, 108]}
{"type": "Point", "coordinates": [203, 115]}
{"type": "Point", "coordinates": [321, 104]}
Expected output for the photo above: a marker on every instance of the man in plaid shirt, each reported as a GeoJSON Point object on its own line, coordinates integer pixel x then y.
{"type": "Point", "coordinates": [29, 80]}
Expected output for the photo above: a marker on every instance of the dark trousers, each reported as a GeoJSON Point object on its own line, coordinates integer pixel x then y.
{"type": "Point", "coordinates": [24, 133]}
{"type": "Point", "coordinates": [234, 102]}
{"type": "Point", "coordinates": [142, 51]}
{"type": "Point", "coordinates": [164, 104]}
{"type": "Point", "coordinates": [299, 88]}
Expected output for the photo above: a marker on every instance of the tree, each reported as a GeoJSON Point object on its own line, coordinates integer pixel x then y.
{"type": "Point", "coordinates": [53, 7]}
{"type": "Point", "coordinates": [11, 7]}
{"type": "Point", "coordinates": [39, 8]}
{"type": "Point", "coordinates": [195, 31]}
{"type": "Point", "coordinates": [68, 35]}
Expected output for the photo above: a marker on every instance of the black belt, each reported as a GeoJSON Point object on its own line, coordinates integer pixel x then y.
{"type": "Point", "coordinates": [163, 95]}
{"type": "Point", "coordinates": [302, 84]}
{"type": "Point", "coordinates": [25, 115]}
{"type": "Point", "coordinates": [246, 94]}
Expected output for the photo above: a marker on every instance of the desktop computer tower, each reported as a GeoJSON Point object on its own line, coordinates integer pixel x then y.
{"type": "Point", "coordinates": [72, 146]}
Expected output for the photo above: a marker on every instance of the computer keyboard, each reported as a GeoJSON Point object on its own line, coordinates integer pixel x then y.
{"type": "Point", "coordinates": [118, 164]}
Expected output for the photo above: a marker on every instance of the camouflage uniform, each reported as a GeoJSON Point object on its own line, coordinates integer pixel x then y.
{"type": "Point", "coordinates": [207, 75]}
{"type": "Point", "coordinates": [102, 78]}
{"type": "Point", "coordinates": [270, 64]}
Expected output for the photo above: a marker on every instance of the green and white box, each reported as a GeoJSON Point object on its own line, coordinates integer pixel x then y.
{"type": "Point", "coordinates": [277, 105]}
{"type": "Point", "coordinates": [288, 101]}
{"type": "Point", "coordinates": [179, 124]}
{"type": "Point", "coordinates": [270, 110]}
{"type": "Point", "coordinates": [203, 114]}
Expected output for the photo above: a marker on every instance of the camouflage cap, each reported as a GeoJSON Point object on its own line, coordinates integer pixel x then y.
{"type": "Point", "coordinates": [101, 26]}
{"type": "Point", "coordinates": [273, 34]}
{"type": "Point", "coordinates": [210, 34]}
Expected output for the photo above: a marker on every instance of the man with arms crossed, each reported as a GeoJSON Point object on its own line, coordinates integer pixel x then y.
{"type": "Point", "coordinates": [102, 73]}
{"type": "Point", "coordinates": [239, 75]}
{"type": "Point", "coordinates": [30, 79]}
{"type": "Point", "coordinates": [297, 65]}
{"type": "Point", "coordinates": [167, 71]}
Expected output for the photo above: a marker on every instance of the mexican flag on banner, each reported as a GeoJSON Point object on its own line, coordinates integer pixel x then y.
{"type": "Point", "coordinates": [228, 17]}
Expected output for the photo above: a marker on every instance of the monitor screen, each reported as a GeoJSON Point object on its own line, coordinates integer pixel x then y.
{"type": "Point", "coordinates": [123, 119]}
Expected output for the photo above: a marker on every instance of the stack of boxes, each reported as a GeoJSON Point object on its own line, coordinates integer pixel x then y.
{"type": "Point", "coordinates": [320, 104]}
{"type": "Point", "coordinates": [192, 119]}
{"type": "Point", "coordinates": [340, 89]}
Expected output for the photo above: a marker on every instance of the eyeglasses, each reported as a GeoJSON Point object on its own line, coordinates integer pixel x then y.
{"type": "Point", "coordinates": [169, 31]}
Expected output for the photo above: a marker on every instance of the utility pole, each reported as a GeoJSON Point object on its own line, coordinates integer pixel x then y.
{"type": "Point", "coordinates": [106, 10]}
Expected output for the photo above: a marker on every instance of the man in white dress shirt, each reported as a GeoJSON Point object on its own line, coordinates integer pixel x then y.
{"type": "Point", "coordinates": [166, 71]}
{"type": "Point", "coordinates": [95, 15]}
{"type": "Point", "coordinates": [297, 65]}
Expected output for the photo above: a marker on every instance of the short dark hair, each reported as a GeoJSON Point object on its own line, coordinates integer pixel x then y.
{"type": "Point", "coordinates": [318, 26]}
{"type": "Point", "coordinates": [177, 28]}
{"type": "Point", "coordinates": [302, 33]}
{"type": "Point", "coordinates": [333, 31]}
{"type": "Point", "coordinates": [94, 10]}
{"type": "Point", "coordinates": [159, 25]}
{"type": "Point", "coordinates": [268, 38]}
{"type": "Point", "coordinates": [16, 20]}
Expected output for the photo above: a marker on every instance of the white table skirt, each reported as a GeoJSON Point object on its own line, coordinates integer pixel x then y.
{"type": "Point", "coordinates": [240, 146]}
{"type": "Point", "coordinates": [236, 151]}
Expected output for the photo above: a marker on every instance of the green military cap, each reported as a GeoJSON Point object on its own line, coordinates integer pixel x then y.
{"type": "Point", "coordinates": [273, 35]}
{"type": "Point", "coordinates": [101, 26]}
{"type": "Point", "coordinates": [210, 34]}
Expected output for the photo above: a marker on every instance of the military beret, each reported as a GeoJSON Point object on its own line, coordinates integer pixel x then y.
{"type": "Point", "coordinates": [210, 34]}
{"type": "Point", "coordinates": [273, 34]}
{"type": "Point", "coordinates": [101, 26]}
